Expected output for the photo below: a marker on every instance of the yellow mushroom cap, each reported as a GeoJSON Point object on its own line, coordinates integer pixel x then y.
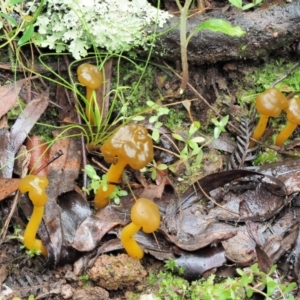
{"type": "Point", "coordinates": [130, 144]}
{"type": "Point", "coordinates": [293, 111]}
{"type": "Point", "coordinates": [271, 102]}
{"type": "Point", "coordinates": [145, 213]}
{"type": "Point", "coordinates": [90, 76]}
{"type": "Point", "coordinates": [35, 185]}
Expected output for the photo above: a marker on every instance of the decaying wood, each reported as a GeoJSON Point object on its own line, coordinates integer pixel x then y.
{"type": "Point", "coordinates": [266, 31]}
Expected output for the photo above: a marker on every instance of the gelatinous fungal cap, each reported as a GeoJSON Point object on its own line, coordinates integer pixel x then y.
{"type": "Point", "coordinates": [130, 143]}
{"type": "Point", "coordinates": [145, 213]}
{"type": "Point", "coordinates": [271, 102]}
{"type": "Point", "coordinates": [90, 76]}
{"type": "Point", "coordinates": [35, 186]}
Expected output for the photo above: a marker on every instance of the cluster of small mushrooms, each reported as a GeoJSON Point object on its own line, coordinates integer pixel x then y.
{"type": "Point", "coordinates": [271, 103]}
{"type": "Point", "coordinates": [129, 145]}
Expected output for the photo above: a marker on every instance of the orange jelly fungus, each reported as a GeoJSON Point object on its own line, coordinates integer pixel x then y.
{"type": "Point", "coordinates": [293, 117]}
{"type": "Point", "coordinates": [91, 77]}
{"type": "Point", "coordinates": [144, 214]}
{"type": "Point", "coordinates": [130, 145]}
{"type": "Point", "coordinates": [35, 186]}
{"type": "Point", "coordinates": [270, 103]}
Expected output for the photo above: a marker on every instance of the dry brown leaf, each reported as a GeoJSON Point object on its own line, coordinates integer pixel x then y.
{"type": "Point", "coordinates": [9, 95]}
{"type": "Point", "coordinates": [8, 186]}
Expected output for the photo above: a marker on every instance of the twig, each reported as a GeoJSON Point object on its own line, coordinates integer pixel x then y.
{"type": "Point", "coordinates": [288, 72]}
{"type": "Point", "coordinates": [7, 221]}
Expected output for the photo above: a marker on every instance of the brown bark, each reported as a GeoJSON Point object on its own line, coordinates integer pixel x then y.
{"type": "Point", "coordinates": [267, 30]}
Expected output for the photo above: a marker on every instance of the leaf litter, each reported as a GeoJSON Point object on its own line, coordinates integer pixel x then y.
{"type": "Point", "coordinates": [218, 209]}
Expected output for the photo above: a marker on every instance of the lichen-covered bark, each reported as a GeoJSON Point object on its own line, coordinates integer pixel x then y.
{"type": "Point", "coordinates": [267, 30]}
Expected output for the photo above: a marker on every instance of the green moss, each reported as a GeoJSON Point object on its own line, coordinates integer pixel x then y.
{"type": "Point", "coordinates": [44, 127]}
{"type": "Point", "coordinates": [256, 80]}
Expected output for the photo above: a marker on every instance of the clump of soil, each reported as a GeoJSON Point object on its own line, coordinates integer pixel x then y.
{"type": "Point", "coordinates": [117, 272]}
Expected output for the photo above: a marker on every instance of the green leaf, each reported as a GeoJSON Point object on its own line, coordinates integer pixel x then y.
{"type": "Point", "coordinates": [91, 172]}
{"type": "Point", "coordinates": [8, 17]}
{"type": "Point", "coordinates": [198, 139]}
{"type": "Point", "coordinates": [13, 2]}
{"type": "Point", "coordinates": [194, 127]}
{"type": "Point", "coordinates": [27, 35]}
{"type": "Point", "coordinates": [117, 200]}
{"type": "Point", "coordinates": [217, 132]}
{"type": "Point", "coordinates": [153, 174]}
{"type": "Point", "coordinates": [178, 137]}
{"type": "Point", "coordinates": [138, 118]}
{"type": "Point", "coordinates": [150, 103]}
{"type": "Point", "coordinates": [163, 111]}
{"type": "Point", "coordinates": [254, 268]}
{"type": "Point", "coordinates": [239, 271]}
{"type": "Point", "coordinates": [199, 157]}
{"type": "Point", "coordinates": [193, 145]}
{"type": "Point", "coordinates": [184, 152]}
{"type": "Point", "coordinates": [224, 121]}
{"type": "Point", "coordinates": [236, 3]}
{"type": "Point", "coordinates": [155, 135]}
{"type": "Point", "coordinates": [249, 292]}
{"type": "Point", "coordinates": [215, 122]}
{"type": "Point", "coordinates": [244, 279]}
{"type": "Point", "coordinates": [271, 285]}
{"type": "Point", "coordinates": [122, 193]}
{"type": "Point", "coordinates": [153, 119]}
{"type": "Point", "coordinates": [219, 25]}
{"type": "Point", "coordinates": [162, 167]}
{"type": "Point", "coordinates": [289, 288]}
{"type": "Point", "coordinates": [158, 124]}
{"type": "Point", "coordinates": [248, 6]}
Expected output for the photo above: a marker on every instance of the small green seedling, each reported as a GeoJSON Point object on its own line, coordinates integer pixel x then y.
{"type": "Point", "coordinates": [18, 236]}
{"type": "Point", "coordinates": [220, 126]}
{"type": "Point", "coordinates": [154, 119]}
{"type": "Point", "coordinates": [85, 278]}
{"type": "Point", "coordinates": [239, 4]}
{"type": "Point", "coordinates": [191, 147]}
{"type": "Point", "coordinates": [97, 182]}
{"type": "Point", "coordinates": [116, 194]}
{"type": "Point", "coordinates": [154, 167]}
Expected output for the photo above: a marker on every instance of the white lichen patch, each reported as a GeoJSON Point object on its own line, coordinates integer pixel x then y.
{"type": "Point", "coordinates": [76, 26]}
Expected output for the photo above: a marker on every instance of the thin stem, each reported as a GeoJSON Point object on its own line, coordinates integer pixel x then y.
{"type": "Point", "coordinates": [183, 43]}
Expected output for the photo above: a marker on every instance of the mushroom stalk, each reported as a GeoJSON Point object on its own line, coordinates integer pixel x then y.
{"type": "Point", "coordinates": [36, 188]}
{"type": "Point", "coordinates": [293, 117]}
{"type": "Point", "coordinates": [259, 130]}
{"type": "Point", "coordinates": [131, 246]}
{"type": "Point", "coordinates": [30, 242]}
{"type": "Point", "coordinates": [113, 175]}
{"type": "Point", "coordinates": [285, 133]}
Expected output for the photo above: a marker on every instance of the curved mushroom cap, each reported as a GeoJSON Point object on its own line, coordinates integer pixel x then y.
{"type": "Point", "coordinates": [271, 102]}
{"type": "Point", "coordinates": [130, 144]}
{"type": "Point", "coordinates": [35, 185]}
{"type": "Point", "coordinates": [90, 76]}
{"type": "Point", "coordinates": [293, 111]}
{"type": "Point", "coordinates": [145, 213]}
